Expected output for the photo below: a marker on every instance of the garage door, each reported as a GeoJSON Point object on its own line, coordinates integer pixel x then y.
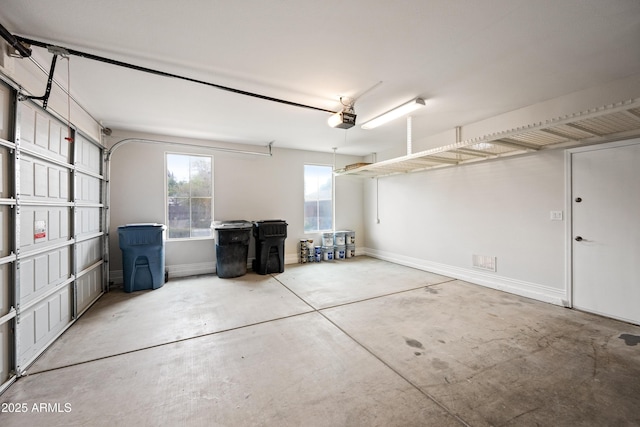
{"type": "Point", "coordinates": [7, 256]}
{"type": "Point", "coordinates": [45, 241]}
{"type": "Point", "coordinates": [59, 229]}
{"type": "Point", "coordinates": [89, 223]}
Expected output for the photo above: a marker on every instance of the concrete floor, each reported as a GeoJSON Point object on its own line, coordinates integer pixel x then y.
{"type": "Point", "coordinates": [359, 342]}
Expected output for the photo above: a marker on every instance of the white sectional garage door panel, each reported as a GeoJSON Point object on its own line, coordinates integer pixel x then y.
{"type": "Point", "coordinates": [89, 222]}
{"type": "Point", "coordinates": [7, 258]}
{"type": "Point", "coordinates": [46, 241]}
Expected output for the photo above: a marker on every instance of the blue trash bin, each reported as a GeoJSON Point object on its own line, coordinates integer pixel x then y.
{"type": "Point", "coordinates": [142, 248]}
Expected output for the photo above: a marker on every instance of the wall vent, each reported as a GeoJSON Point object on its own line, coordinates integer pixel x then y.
{"type": "Point", "coordinates": [484, 262]}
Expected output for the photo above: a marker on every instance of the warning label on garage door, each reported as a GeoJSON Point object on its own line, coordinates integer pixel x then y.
{"type": "Point", "coordinates": [39, 229]}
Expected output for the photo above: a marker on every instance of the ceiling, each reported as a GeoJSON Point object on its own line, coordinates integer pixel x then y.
{"type": "Point", "coordinates": [470, 60]}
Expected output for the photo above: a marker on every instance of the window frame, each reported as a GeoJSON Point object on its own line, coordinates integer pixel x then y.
{"type": "Point", "coordinates": [166, 195]}
{"type": "Point", "coordinates": [304, 199]}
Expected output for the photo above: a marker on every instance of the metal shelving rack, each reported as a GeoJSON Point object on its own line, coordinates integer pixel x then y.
{"type": "Point", "coordinates": [607, 123]}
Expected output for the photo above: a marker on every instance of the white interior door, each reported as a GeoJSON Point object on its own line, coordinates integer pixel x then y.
{"type": "Point", "coordinates": [605, 196]}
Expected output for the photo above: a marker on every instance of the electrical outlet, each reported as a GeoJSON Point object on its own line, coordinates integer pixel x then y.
{"type": "Point", "coordinates": [556, 215]}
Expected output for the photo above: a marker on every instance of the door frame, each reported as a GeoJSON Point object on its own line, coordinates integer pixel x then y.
{"type": "Point", "coordinates": [568, 156]}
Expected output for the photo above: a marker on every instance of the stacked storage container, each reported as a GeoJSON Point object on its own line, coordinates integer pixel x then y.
{"type": "Point", "coordinates": [307, 253]}
{"type": "Point", "coordinates": [339, 243]}
{"type": "Point", "coordinates": [335, 245]}
{"type": "Point", "coordinates": [328, 249]}
{"type": "Point", "coordinates": [350, 242]}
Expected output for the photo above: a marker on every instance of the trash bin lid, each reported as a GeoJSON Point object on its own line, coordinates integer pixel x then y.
{"type": "Point", "coordinates": [236, 224]}
{"type": "Point", "coordinates": [144, 224]}
{"type": "Point", "coordinates": [270, 228]}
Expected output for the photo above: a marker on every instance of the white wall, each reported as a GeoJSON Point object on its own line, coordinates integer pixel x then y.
{"type": "Point", "coordinates": [437, 220]}
{"type": "Point", "coordinates": [245, 187]}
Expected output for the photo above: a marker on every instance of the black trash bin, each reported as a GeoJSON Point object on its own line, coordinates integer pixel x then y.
{"type": "Point", "coordinates": [232, 247]}
{"type": "Point", "coordinates": [270, 236]}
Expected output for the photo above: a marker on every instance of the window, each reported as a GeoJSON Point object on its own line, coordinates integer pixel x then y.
{"type": "Point", "coordinates": [318, 198]}
{"type": "Point", "coordinates": [189, 196]}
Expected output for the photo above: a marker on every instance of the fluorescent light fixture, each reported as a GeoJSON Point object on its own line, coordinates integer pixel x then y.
{"type": "Point", "coordinates": [400, 111]}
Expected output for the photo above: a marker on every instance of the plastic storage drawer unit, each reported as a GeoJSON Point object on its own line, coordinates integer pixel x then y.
{"type": "Point", "coordinates": [142, 248]}
{"type": "Point", "coordinates": [232, 247]}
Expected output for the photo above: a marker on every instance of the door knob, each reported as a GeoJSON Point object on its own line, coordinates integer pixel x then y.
{"type": "Point", "coordinates": [578, 239]}
{"type": "Point", "coordinates": [578, 199]}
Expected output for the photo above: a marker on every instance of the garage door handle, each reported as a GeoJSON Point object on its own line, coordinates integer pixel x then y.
{"type": "Point", "coordinates": [578, 239]}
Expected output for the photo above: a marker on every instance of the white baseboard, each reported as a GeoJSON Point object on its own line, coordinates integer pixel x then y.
{"type": "Point", "coordinates": [489, 280]}
{"type": "Point", "coordinates": [290, 259]}
{"type": "Point", "coordinates": [115, 277]}
{"type": "Point", "coordinates": [186, 270]}
{"type": "Point", "coordinates": [181, 270]}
